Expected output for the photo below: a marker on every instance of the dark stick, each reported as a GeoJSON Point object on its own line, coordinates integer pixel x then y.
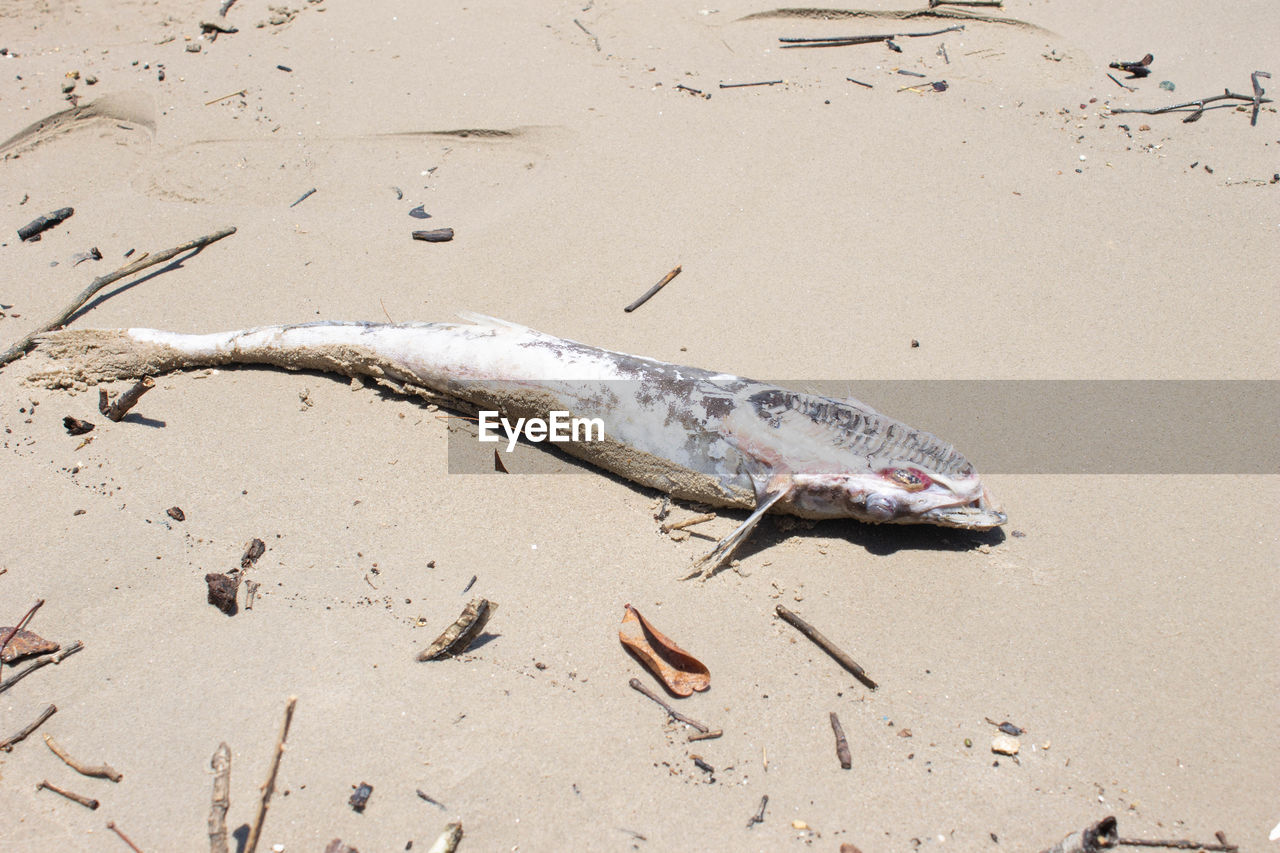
{"type": "Point", "coordinates": [1180, 844]}
{"type": "Point", "coordinates": [859, 82]}
{"type": "Point", "coordinates": [101, 771]}
{"type": "Point", "coordinates": [424, 795]}
{"type": "Point", "coordinates": [590, 34]}
{"type": "Point", "coordinates": [744, 85]}
{"type": "Point", "coordinates": [31, 231]}
{"type": "Point", "coordinates": [439, 235]}
{"type": "Point", "coordinates": [221, 764]}
{"type": "Point", "coordinates": [116, 411]}
{"type": "Point", "coordinates": [84, 801]}
{"type": "Point", "coordinates": [1118, 83]}
{"type": "Point", "coordinates": [111, 825]}
{"type": "Point", "coordinates": [39, 662]}
{"type": "Point", "coordinates": [1227, 95]}
{"type": "Point", "coordinates": [671, 712]}
{"type": "Point", "coordinates": [7, 744]}
{"type": "Point", "coordinates": [826, 645]}
{"type": "Point", "coordinates": [997, 3]}
{"type": "Point", "coordinates": [1258, 92]}
{"type": "Point", "coordinates": [306, 195]}
{"type": "Point", "coordinates": [758, 817]}
{"type": "Point", "coordinates": [844, 41]}
{"type": "Point", "coordinates": [666, 279]}
{"type": "Point", "coordinates": [21, 623]}
{"type": "Point", "coordinates": [842, 743]}
{"type": "Point", "coordinates": [688, 89]}
{"type": "Point", "coordinates": [21, 347]}
{"type": "Point", "coordinates": [269, 787]}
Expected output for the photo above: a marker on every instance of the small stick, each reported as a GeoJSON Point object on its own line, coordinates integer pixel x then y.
{"type": "Point", "coordinates": [31, 231]}
{"type": "Point", "coordinates": [842, 743]}
{"type": "Point", "coordinates": [826, 645]}
{"type": "Point", "coordinates": [7, 744]}
{"type": "Point", "coordinates": [111, 825]}
{"type": "Point", "coordinates": [221, 764]}
{"type": "Point", "coordinates": [438, 235]}
{"type": "Point", "coordinates": [845, 41]}
{"type": "Point", "coordinates": [269, 787]}
{"type": "Point", "coordinates": [424, 795]}
{"type": "Point", "coordinates": [1180, 844]}
{"type": "Point", "coordinates": [13, 632]}
{"type": "Point", "coordinates": [590, 34]}
{"type": "Point", "coordinates": [1199, 104]}
{"type": "Point", "coordinates": [637, 685]}
{"type": "Point", "coordinates": [1258, 92]}
{"type": "Point", "coordinates": [223, 98]}
{"type": "Point", "coordinates": [101, 771]}
{"type": "Point", "coordinates": [1121, 85]}
{"type": "Point", "coordinates": [126, 401]}
{"type": "Point", "coordinates": [758, 817]}
{"type": "Point", "coordinates": [82, 800]}
{"type": "Point", "coordinates": [688, 89]}
{"type": "Point", "coordinates": [306, 195]}
{"type": "Point", "coordinates": [688, 522]}
{"type": "Point", "coordinates": [21, 347]}
{"type": "Point", "coordinates": [859, 82]}
{"type": "Point", "coordinates": [744, 85]}
{"type": "Point", "coordinates": [999, 4]}
{"type": "Point", "coordinates": [39, 662]}
{"type": "Point", "coordinates": [666, 279]}
{"type": "Point", "coordinates": [711, 735]}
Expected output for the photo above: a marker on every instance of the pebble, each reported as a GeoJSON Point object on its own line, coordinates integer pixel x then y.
{"type": "Point", "coordinates": [1005, 745]}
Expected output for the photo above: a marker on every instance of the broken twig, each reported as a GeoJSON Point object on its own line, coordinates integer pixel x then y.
{"type": "Point", "coordinates": [845, 41]}
{"type": "Point", "coordinates": [638, 685]}
{"type": "Point", "coordinates": [100, 771]}
{"type": "Point", "coordinates": [1227, 95]}
{"type": "Point", "coordinates": [666, 279]}
{"type": "Point", "coordinates": [32, 230]}
{"type": "Point", "coordinates": [111, 825]}
{"type": "Point", "coordinates": [842, 743]}
{"type": "Point", "coordinates": [39, 662]}
{"type": "Point", "coordinates": [455, 639]}
{"type": "Point", "coordinates": [115, 411]}
{"type": "Point", "coordinates": [269, 787]}
{"type": "Point", "coordinates": [7, 744]}
{"type": "Point", "coordinates": [745, 85]}
{"type": "Point", "coordinates": [758, 817]}
{"type": "Point", "coordinates": [306, 195]}
{"type": "Point", "coordinates": [21, 347]}
{"type": "Point", "coordinates": [826, 645]}
{"type": "Point", "coordinates": [221, 764]}
{"type": "Point", "coordinates": [590, 34]}
{"type": "Point", "coordinates": [688, 522]}
{"type": "Point", "coordinates": [87, 802]}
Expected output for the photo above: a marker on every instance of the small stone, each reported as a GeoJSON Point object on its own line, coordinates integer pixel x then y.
{"type": "Point", "coordinates": [1167, 85]}
{"type": "Point", "coordinates": [176, 513]}
{"type": "Point", "coordinates": [799, 824]}
{"type": "Point", "coordinates": [1005, 745]}
{"type": "Point", "coordinates": [68, 86]}
{"type": "Point", "coordinates": [194, 47]}
{"type": "Point", "coordinates": [92, 80]}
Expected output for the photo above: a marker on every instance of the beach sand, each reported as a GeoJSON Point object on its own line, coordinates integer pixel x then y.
{"type": "Point", "coordinates": [1010, 225]}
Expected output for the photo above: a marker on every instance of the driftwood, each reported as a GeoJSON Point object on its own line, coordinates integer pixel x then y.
{"type": "Point", "coordinates": [269, 787]}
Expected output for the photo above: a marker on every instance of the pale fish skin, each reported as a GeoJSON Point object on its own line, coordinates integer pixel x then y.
{"type": "Point", "coordinates": [695, 434]}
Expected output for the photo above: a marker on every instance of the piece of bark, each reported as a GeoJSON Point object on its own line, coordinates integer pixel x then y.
{"type": "Point", "coordinates": [75, 426]}
{"type": "Point", "coordinates": [24, 644]}
{"type": "Point", "coordinates": [462, 632]}
{"type": "Point", "coordinates": [221, 764]}
{"type": "Point", "coordinates": [439, 235]}
{"type": "Point", "coordinates": [222, 591]}
{"type": "Point", "coordinates": [32, 230]}
{"type": "Point", "coordinates": [252, 551]}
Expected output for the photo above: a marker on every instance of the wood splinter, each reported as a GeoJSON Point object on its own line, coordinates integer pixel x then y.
{"type": "Point", "coordinates": [100, 771]}
{"type": "Point", "coordinates": [116, 411]}
{"type": "Point", "coordinates": [269, 787]}
{"type": "Point", "coordinates": [688, 522]}
{"type": "Point", "coordinates": [7, 744]}
{"type": "Point", "coordinates": [842, 743]}
{"type": "Point", "coordinates": [638, 685]}
{"type": "Point", "coordinates": [666, 279]}
{"type": "Point", "coordinates": [826, 645]}
{"type": "Point", "coordinates": [111, 825]}
{"type": "Point", "coordinates": [221, 764]}
{"type": "Point", "coordinates": [87, 802]}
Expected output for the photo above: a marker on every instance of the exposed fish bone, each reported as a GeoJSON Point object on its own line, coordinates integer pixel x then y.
{"type": "Point", "coordinates": [695, 434]}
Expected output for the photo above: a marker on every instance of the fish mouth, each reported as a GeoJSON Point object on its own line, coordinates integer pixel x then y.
{"type": "Point", "coordinates": [969, 517]}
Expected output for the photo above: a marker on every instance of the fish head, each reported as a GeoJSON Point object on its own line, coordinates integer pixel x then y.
{"type": "Point", "coordinates": [898, 494]}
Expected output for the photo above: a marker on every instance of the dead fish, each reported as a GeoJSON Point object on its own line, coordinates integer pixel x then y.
{"type": "Point", "coordinates": [696, 434]}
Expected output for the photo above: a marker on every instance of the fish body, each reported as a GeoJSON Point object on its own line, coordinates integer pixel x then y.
{"type": "Point", "coordinates": [695, 434]}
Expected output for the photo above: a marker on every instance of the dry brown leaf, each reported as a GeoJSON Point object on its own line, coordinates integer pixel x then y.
{"type": "Point", "coordinates": [679, 671]}
{"type": "Point", "coordinates": [24, 644]}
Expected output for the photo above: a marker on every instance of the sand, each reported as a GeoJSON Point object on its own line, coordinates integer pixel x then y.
{"type": "Point", "coordinates": [1010, 225]}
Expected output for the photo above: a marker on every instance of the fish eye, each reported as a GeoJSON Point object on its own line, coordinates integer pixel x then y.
{"type": "Point", "coordinates": [911, 479]}
{"type": "Point", "coordinates": [881, 507]}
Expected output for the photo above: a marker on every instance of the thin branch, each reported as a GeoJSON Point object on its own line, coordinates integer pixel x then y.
{"type": "Point", "coordinates": [648, 294]}
{"type": "Point", "coordinates": [221, 764]}
{"type": "Point", "coordinates": [6, 745]}
{"type": "Point", "coordinates": [23, 346]}
{"type": "Point", "coordinates": [269, 787]}
{"type": "Point", "coordinates": [842, 743]}
{"type": "Point", "coordinates": [39, 662]}
{"type": "Point", "coordinates": [826, 645]}
{"type": "Point", "coordinates": [101, 771]}
{"type": "Point", "coordinates": [111, 825]}
{"type": "Point", "coordinates": [844, 41]}
{"type": "Point", "coordinates": [87, 802]}
{"type": "Point", "coordinates": [638, 686]}
{"type": "Point", "coordinates": [1199, 105]}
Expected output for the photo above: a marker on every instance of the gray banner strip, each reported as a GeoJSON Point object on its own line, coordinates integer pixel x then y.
{"type": "Point", "coordinates": [1043, 426]}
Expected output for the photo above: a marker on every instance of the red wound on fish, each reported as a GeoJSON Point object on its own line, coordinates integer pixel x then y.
{"type": "Point", "coordinates": [911, 479]}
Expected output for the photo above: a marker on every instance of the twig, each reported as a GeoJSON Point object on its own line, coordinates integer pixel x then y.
{"type": "Point", "coordinates": [859, 82]}
{"type": "Point", "coordinates": [7, 744]}
{"type": "Point", "coordinates": [1199, 105]}
{"type": "Point", "coordinates": [115, 411]}
{"type": "Point", "coordinates": [845, 41]}
{"type": "Point", "coordinates": [32, 230]}
{"type": "Point", "coordinates": [306, 195]}
{"type": "Point", "coordinates": [744, 85]}
{"type": "Point", "coordinates": [590, 34]}
{"type": "Point", "coordinates": [842, 743]}
{"type": "Point", "coordinates": [221, 764]}
{"type": "Point", "coordinates": [101, 771]}
{"type": "Point", "coordinates": [1180, 844]}
{"type": "Point", "coordinates": [13, 632]}
{"type": "Point", "coordinates": [689, 89]}
{"type": "Point", "coordinates": [438, 235]}
{"type": "Point", "coordinates": [430, 799]}
{"type": "Point", "coordinates": [711, 735]}
{"type": "Point", "coordinates": [21, 347]}
{"type": "Point", "coordinates": [1258, 92]}
{"type": "Point", "coordinates": [666, 279]}
{"type": "Point", "coordinates": [826, 645]}
{"type": "Point", "coordinates": [999, 4]}
{"type": "Point", "coordinates": [39, 662]}
{"type": "Point", "coordinates": [111, 825]}
{"type": "Point", "coordinates": [688, 522]}
{"type": "Point", "coordinates": [1121, 85]}
{"type": "Point", "coordinates": [223, 98]}
{"type": "Point", "coordinates": [758, 817]}
{"type": "Point", "coordinates": [638, 686]}
{"type": "Point", "coordinates": [87, 802]}
{"type": "Point", "coordinates": [269, 787]}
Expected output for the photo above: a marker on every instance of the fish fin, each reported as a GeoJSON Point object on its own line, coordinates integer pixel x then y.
{"type": "Point", "coordinates": [486, 320]}
{"type": "Point", "coordinates": [769, 490]}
